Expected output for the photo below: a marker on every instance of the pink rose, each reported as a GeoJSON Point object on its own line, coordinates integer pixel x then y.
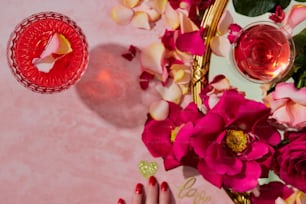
{"type": "Point", "coordinates": [288, 106]}
{"type": "Point", "coordinates": [290, 164]}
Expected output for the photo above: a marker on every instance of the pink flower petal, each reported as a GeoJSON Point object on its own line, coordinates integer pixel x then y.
{"type": "Point", "coordinates": [257, 151]}
{"type": "Point", "coordinates": [121, 14]}
{"type": "Point", "coordinates": [278, 16]}
{"type": "Point", "coordinates": [210, 174]}
{"type": "Point", "coordinates": [235, 31]}
{"type": "Point", "coordinates": [288, 90]}
{"type": "Point", "coordinates": [182, 141]}
{"type": "Point", "coordinates": [191, 42]}
{"type": "Point", "coordinates": [171, 92]}
{"type": "Point", "coordinates": [144, 80]}
{"type": "Point", "coordinates": [151, 58]}
{"type": "Point", "coordinates": [225, 22]}
{"type": "Point", "coordinates": [159, 110]}
{"type": "Point", "coordinates": [186, 24]}
{"type": "Point", "coordinates": [171, 17]}
{"type": "Point", "coordinates": [220, 46]}
{"type": "Point", "coordinates": [297, 14]}
{"type": "Point", "coordinates": [245, 181]}
{"type": "Point", "coordinates": [130, 3]}
{"type": "Point", "coordinates": [141, 20]}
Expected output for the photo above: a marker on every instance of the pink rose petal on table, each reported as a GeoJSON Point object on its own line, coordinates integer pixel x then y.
{"type": "Point", "coordinates": [144, 79]}
{"type": "Point", "coordinates": [234, 33]}
{"type": "Point", "coordinates": [121, 14]}
{"type": "Point", "coordinates": [278, 16]}
{"type": "Point", "coordinates": [159, 110]}
{"type": "Point", "coordinates": [225, 21]}
{"type": "Point", "coordinates": [191, 42]}
{"type": "Point", "coordinates": [186, 24]}
{"type": "Point", "coordinates": [141, 20]}
{"type": "Point", "coordinates": [220, 46]}
{"type": "Point", "coordinates": [130, 3]}
{"type": "Point", "coordinates": [151, 58]}
{"type": "Point", "coordinates": [171, 17]}
{"type": "Point", "coordinates": [170, 92]}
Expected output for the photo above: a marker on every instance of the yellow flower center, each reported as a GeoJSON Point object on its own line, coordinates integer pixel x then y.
{"type": "Point", "coordinates": [236, 140]}
{"type": "Point", "coordinates": [174, 133]}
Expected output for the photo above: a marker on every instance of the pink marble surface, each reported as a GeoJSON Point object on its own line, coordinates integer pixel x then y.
{"type": "Point", "coordinates": [81, 146]}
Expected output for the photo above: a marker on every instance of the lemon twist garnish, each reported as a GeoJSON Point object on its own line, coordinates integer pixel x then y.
{"type": "Point", "coordinates": [236, 140]}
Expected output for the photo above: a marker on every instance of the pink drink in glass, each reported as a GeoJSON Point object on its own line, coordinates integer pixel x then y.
{"type": "Point", "coordinates": [263, 53]}
{"type": "Point", "coordinates": [29, 40]}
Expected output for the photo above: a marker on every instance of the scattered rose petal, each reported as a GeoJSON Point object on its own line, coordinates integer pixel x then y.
{"type": "Point", "coordinates": [220, 46]}
{"type": "Point", "coordinates": [225, 22]}
{"type": "Point", "coordinates": [159, 5]}
{"type": "Point", "coordinates": [234, 33]}
{"type": "Point", "coordinates": [186, 25]}
{"type": "Point", "coordinates": [141, 20]}
{"type": "Point", "coordinates": [131, 54]}
{"type": "Point", "coordinates": [130, 3]}
{"type": "Point", "coordinates": [171, 92]}
{"type": "Point", "coordinates": [144, 80]}
{"type": "Point", "coordinates": [278, 16]}
{"type": "Point", "coordinates": [171, 17]}
{"type": "Point", "coordinates": [191, 42]}
{"type": "Point", "coordinates": [151, 58]}
{"type": "Point", "coordinates": [121, 14]}
{"type": "Point", "coordinates": [159, 110]}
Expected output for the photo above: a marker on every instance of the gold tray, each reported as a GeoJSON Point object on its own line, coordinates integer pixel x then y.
{"type": "Point", "coordinates": [200, 70]}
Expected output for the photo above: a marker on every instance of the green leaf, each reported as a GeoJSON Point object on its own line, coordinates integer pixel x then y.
{"type": "Point", "coordinates": [254, 8]}
{"type": "Point", "coordinates": [301, 0]}
{"type": "Point", "coordinates": [299, 71]}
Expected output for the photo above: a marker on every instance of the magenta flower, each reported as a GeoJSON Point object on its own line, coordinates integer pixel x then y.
{"type": "Point", "coordinates": [170, 138]}
{"type": "Point", "coordinates": [291, 160]}
{"type": "Point", "coordinates": [234, 142]}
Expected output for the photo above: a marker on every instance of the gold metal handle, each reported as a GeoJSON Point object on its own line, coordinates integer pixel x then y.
{"type": "Point", "coordinates": [200, 65]}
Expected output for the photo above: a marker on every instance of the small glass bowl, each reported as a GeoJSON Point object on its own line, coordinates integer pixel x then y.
{"type": "Point", "coordinates": [264, 52]}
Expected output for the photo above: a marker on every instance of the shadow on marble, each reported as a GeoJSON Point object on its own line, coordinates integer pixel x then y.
{"type": "Point", "coordinates": [110, 87]}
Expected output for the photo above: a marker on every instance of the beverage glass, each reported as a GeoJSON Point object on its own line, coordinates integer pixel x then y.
{"type": "Point", "coordinates": [264, 53]}
{"type": "Point", "coordinates": [29, 40]}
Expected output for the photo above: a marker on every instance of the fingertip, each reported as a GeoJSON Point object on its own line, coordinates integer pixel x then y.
{"type": "Point", "coordinates": [120, 201]}
{"type": "Point", "coordinates": [164, 186]}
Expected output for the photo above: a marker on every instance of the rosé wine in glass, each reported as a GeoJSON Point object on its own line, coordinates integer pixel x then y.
{"type": "Point", "coordinates": [264, 53]}
{"type": "Point", "coordinates": [30, 39]}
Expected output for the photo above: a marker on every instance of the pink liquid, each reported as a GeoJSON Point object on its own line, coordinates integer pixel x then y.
{"type": "Point", "coordinates": [30, 39]}
{"type": "Point", "coordinates": [262, 53]}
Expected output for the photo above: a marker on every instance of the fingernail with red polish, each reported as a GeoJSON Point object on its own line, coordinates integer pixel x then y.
{"type": "Point", "coordinates": [152, 180]}
{"type": "Point", "coordinates": [164, 186]}
{"type": "Point", "coordinates": [121, 201]}
{"type": "Point", "coordinates": [139, 188]}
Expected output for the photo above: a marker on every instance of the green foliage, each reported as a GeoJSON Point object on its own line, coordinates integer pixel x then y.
{"type": "Point", "coordinates": [299, 70]}
{"type": "Point", "coordinates": [254, 8]}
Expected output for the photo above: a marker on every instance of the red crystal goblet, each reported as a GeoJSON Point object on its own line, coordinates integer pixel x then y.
{"type": "Point", "coordinates": [29, 40]}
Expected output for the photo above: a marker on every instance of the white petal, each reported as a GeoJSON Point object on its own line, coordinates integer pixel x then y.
{"type": "Point", "coordinates": [220, 46]}
{"type": "Point", "coordinates": [171, 92]}
{"type": "Point", "coordinates": [121, 14]}
{"type": "Point", "coordinates": [151, 58]}
{"type": "Point", "coordinates": [186, 24]}
{"type": "Point", "coordinates": [130, 3]}
{"type": "Point", "coordinates": [159, 110]}
{"type": "Point", "coordinates": [225, 21]}
{"type": "Point", "coordinates": [171, 17]}
{"type": "Point", "coordinates": [141, 20]}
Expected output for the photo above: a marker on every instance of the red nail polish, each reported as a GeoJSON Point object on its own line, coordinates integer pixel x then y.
{"type": "Point", "coordinates": [121, 201]}
{"type": "Point", "coordinates": [152, 181]}
{"type": "Point", "coordinates": [164, 186]}
{"type": "Point", "coordinates": [139, 188]}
